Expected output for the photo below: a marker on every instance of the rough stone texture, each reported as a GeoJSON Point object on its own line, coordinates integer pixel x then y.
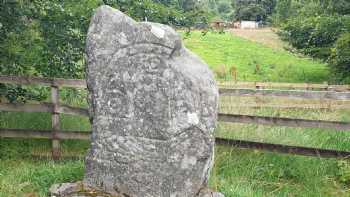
{"type": "Point", "coordinates": [76, 190]}
{"type": "Point", "coordinates": [65, 189]}
{"type": "Point", "coordinates": [153, 107]}
{"type": "Point", "coordinates": [206, 192]}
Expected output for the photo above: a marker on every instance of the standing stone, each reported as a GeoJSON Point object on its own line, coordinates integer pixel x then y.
{"type": "Point", "coordinates": [153, 107]}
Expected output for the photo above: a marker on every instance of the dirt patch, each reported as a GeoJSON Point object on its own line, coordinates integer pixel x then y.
{"type": "Point", "coordinates": [265, 36]}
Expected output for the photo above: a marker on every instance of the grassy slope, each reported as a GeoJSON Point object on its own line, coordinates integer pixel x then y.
{"type": "Point", "coordinates": [276, 64]}
{"type": "Point", "coordinates": [236, 172]}
{"type": "Point", "coordinates": [265, 36]}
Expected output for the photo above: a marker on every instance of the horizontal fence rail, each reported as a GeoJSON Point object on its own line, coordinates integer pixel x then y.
{"type": "Point", "coordinates": [232, 118]}
{"type": "Point", "coordinates": [73, 83]}
{"type": "Point", "coordinates": [44, 134]}
{"type": "Point", "coordinates": [288, 122]}
{"type": "Point", "coordinates": [325, 105]}
{"type": "Point", "coordinates": [334, 93]}
{"type": "Point", "coordinates": [43, 107]}
{"type": "Point", "coordinates": [278, 148]}
{"type": "Point", "coordinates": [286, 93]}
{"type": "Point", "coordinates": [268, 85]}
{"type": "Point", "coordinates": [223, 91]}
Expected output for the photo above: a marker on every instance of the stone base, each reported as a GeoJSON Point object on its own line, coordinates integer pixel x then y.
{"type": "Point", "coordinates": [79, 190]}
{"type": "Point", "coordinates": [206, 192]}
{"type": "Point", "coordinates": [76, 190]}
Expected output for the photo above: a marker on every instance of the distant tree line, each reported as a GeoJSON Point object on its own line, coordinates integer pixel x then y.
{"type": "Point", "coordinates": [319, 28]}
{"type": "Point", "coordinates": [238, 10]}
{"type": "Point", "coordinates": [47, 37]}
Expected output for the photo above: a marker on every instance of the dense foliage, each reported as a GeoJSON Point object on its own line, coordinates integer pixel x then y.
{"type": "Point", "coordinates": [220, 8]}
{"type": "Point", "coordinates": [340, 57]}
{"type": "Point", "coordinates": [255, 10]}
{"type": "Point", "coordinates": [315, 36]}
{"type": "Point", "coordinates": [237, 10]}
{"type": "Point", "coordinates": [42, 38]}
{"type": "Point", "coordinates": [313, 27]}
{"type": "Point", "coordinates": [47, 38]}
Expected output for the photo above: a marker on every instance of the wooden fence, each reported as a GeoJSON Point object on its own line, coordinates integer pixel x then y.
{"type": "Point", "coordinates": [271, 85]}
{"type": "Point", "coordinates": [55, 108]}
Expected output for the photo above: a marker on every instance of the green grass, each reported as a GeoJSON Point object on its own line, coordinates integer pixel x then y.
{"type": "Point", "coordinates": [21, 174]}
{"type": "Point", "coordinates": [237, 173]}
{"type": "Point", "coordinates": [254, 174]}
{"type": "Point", "coordinates": [28, 177]}
{"type": "Point", "coordinates": [276, 65]}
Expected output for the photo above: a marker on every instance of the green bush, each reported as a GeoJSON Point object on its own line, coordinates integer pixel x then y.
{"type": "Point", "coordinates": [47, 38]}
{"type": "Point", "coordinates": [344, 171]}
{"type": "Point", "coordinates": [340, 57]}
{"type": "Point", "coordinates": [316, 35]}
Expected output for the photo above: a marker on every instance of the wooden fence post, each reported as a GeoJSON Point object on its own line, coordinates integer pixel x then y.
{"type": "Point", "coordinates": [327, 86]}
{"type": "Point", "coordinates": [55, 118]}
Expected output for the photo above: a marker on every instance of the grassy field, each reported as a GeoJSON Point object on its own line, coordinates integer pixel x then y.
{"type": "Point", "coordinates": [237, 173]}
{"type": "Point", "coordinates": [275, 64]}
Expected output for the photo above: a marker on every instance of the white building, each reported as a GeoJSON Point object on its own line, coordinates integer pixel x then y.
{"type": "Point", "coordinates": [249, 25]}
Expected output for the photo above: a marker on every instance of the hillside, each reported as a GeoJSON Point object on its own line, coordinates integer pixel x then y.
{"type": "Point", "coordinates": [265, 36]}
{"type": "Point", "coordinates": [276, 65]}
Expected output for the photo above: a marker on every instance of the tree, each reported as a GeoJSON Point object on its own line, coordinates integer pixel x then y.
{"type": "Point", "coordinates": [252, 12]}
{"type": "Point", "coordinates": [224, 7]}
{"type": "Point", "coordinates": [341, 7]}
{"type": "Point", "coordinates": [187, 5]}
{"type": "Point", "coordinates": [313, 27]}
{"type": "Point", "coordinates": [269, 6]}
{"type": "Point", "coordinates": [340, 57]}
{"type": "Point", "coordinates": [47, 38]}
{"type": "Point", "coordinates": [20, 48]}
{"type": "Point", "coordinates": [257, 10]}
{"type": "Point", "coordinates": [42, 38]}
{"type": "Point", "coordinates": [283, 11]}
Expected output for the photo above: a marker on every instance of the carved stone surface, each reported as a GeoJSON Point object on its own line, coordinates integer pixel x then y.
{"type": "Point", "coordinates": [153, 107]}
